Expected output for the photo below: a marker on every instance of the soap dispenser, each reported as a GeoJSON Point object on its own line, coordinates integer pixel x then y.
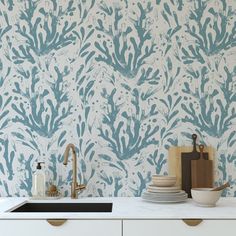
{"type": "Point", "coordinates": [39, 181]}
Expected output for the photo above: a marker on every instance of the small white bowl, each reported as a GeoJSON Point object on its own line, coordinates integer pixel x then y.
{"type": "Point", "coordinates": [205, 197]}
{"type": "Point", "coordinates": [163, 180]}
{"type": "Point", "coordinates": [164, 176]}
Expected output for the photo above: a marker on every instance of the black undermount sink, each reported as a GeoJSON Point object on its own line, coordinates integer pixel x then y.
{"type": "Point", "coordinates": [64, 207]}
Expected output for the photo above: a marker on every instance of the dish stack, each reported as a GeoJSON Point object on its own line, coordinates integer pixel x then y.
{"type": "Point", "coordinates": [163, 190]}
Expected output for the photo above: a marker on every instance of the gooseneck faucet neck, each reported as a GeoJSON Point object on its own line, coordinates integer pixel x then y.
{"type": "Point", "coordinates": [75, 187]}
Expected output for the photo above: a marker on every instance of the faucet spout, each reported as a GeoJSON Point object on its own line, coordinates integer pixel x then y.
{"type": "Point", "coordinates": [75, 187]}
{"type": "Point", "coordinates": [67, 151]}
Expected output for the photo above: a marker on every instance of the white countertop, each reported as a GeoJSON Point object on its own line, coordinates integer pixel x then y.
{"type": "Point", "coordinates": [126, 208]}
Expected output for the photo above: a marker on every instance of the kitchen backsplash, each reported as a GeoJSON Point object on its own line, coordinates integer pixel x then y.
{"type": "Point", "coordinates": [122, 80]}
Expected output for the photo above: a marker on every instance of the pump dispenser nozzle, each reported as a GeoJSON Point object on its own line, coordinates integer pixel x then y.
{"type": "Point", "coordinates": [39, 166]}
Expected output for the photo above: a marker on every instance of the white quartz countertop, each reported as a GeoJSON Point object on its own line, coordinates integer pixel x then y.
{"type": "Point", "coordinates": [126, 208]}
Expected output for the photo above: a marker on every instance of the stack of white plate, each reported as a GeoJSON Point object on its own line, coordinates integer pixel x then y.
{"type": "Point", "coordinates": [162, 190]}
{"type": "Point", "coordinates": [168, 195]}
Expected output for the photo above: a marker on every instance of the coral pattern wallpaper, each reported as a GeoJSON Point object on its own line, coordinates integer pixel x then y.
{"type": "Point", "coordinates": [123, 80]}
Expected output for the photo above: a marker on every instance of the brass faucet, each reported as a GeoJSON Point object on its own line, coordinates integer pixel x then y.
{"type": "Point", "coordinates": [75, 187]}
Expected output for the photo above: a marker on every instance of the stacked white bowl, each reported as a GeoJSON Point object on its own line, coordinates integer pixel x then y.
{"type": "Point", "coordinates": [163, 190]}
{"type": "Point", "coordinates": [164, 180]}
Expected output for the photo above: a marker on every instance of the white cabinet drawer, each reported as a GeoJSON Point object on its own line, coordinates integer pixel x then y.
{"type": "Point", "coordinates": [178, 228]}
{"type": "Point", "coordinates": [70, 227]}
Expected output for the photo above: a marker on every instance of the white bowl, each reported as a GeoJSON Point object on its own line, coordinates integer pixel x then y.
{"type": "Point", "coordinates": [164, 177]}
{"type": "Point", "coordinates": [204, 197]}
{"type": "Point", "coordinates": [163, 180]}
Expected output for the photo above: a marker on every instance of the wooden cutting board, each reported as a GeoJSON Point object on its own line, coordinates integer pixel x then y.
{"type": "Point", "coordinates": [201, 172]}
{"type": "Point", "coordinates": [174, 160]}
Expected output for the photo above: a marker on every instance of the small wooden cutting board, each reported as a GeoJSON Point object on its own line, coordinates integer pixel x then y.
{"type": "Point", "coordinates": [202, 172]}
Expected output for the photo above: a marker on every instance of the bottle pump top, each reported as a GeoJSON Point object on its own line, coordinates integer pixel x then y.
{"type": "Point", "coordinates": [39, 167]}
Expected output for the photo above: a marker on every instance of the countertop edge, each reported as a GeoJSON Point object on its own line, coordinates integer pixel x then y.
{"type": "Point", "coordinates": [126, 209]}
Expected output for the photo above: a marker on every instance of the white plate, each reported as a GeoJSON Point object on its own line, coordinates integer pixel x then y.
{"type": "Point", "coordinates": [173, 189]}
{"type": "Point", "coordinates": [157, 187]}
{"type": "Point", "coordinates": [165, 198]}
{"type": "Point", "coordinates": [162, 194]}
{"type": "Point", "coordinates": [165, 201]}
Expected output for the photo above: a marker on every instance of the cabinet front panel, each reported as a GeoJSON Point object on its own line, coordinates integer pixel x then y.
{"type": "Point", "coordinates": [70, 227]}
{"type": "Point", "coordinates": [178, 228]}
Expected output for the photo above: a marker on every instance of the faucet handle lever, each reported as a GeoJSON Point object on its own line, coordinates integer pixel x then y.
{"type": "Point", "coordinates": [80, 187]}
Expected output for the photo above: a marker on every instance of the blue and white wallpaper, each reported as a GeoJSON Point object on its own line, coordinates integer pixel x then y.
{"type": "Point", "coordinates": [121, 79]}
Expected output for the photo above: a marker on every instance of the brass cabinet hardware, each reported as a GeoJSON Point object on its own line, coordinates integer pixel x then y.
{"type": "Point", "coordinates": [56, 222]}
{"type": "Point", "coordinates": [192, 222]}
